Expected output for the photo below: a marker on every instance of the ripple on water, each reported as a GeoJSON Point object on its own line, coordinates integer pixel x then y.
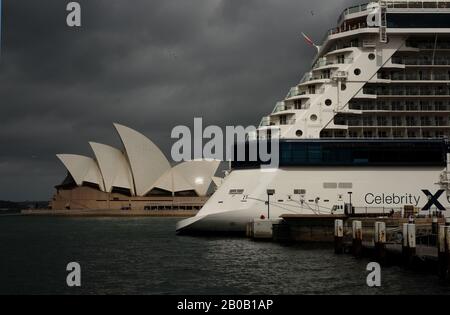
{"type": "Point", "coordinates": [144, 256]}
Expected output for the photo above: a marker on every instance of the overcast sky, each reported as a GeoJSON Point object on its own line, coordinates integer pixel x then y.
{"type": "Point", "coordinates": [148, 64]}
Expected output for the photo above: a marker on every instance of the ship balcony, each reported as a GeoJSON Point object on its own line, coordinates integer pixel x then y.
{"type": "Point", "coordinates": [295, 91]}
{"type": "Point", "coordinates": [265, 121]}
{"type": "Point", "coordinates": [400, 111]}
{"type": "Point", "coordinates": [305, 94]}
{"type": "Point", "coordinates": [327, 63]}
{"type": "Point", "coordinates": [338, 125]}
{"type": "Point", "coordinates": [346, 28]}
{"type": "Point", "coordinates": [413, 92]}
{"type": "Point", "coordinates": [421, 62]}
{"type": "Point", "coordinates": [394, 65]}
{"type": "Point", "coordinates": [309, 78]}
{"type": "Point", "coordinates": [282, 108]}
{"type": "Point", "coordinates": [369, 43]}
{"type": "Point", "coordinates": [306, 77]}
{"type": "Point", "coordinates": [282, 120]}
{"type": "Point", "coordinates": [348, 111]}
{"type": "Point", "coordinates": [375, 126]}
{"type": "Point", "coordinates": [427, 45]}
{"type": "Point", "coordinates": [279, 107]}
{"type": "Point", "coordinates": [342, 49]}
{"type": "Point", "coordinates": [287, 119]}
{"type": "Point", "coordinates": [315, 80]}
{"type": "Point", "coordinates": [339, 75]}
{"type": "Point", "coordinates": [322, 62]}
{"type": "Point", "coordinates": [352, 12]}
{"type": "Point", "coordinates": [290, 121]}
{"type": "Point", "coordinates": [415, 78]}
{"type": "Point", "coordinates": [365, 95]}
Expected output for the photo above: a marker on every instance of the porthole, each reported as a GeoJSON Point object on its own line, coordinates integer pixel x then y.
{"type": "Point", "coordinates": [313, 117]}
{"type": "Point", "coordinates": [299, 133]}
{"type": "Point", "coordinates": [357, 71]}
{"type": "Point", "coordinates": [343, 87]}
{"type": "Point", "coordinates": [371, 56]}
{"type": "Point", "coordinates": [328, 102]}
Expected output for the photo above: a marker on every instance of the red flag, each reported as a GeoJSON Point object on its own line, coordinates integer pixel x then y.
{"type": "Point", "coordinates": [308, 40]}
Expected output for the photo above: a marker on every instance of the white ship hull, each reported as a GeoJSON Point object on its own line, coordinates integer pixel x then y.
{"type": "Point", "coordinates": [373, 190]}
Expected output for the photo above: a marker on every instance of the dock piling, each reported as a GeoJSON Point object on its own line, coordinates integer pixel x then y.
{"type": "Point", "coordinates": [434, 231]}
{"type": "Point", "coordinates": [444, 252]}
{"type": "Point", "coordinates": [409, 244]}
{"type": "Point", "coordinates": [380, 242]}
{"type": "Point", "coordinates": [338, 236]}
{"type": "Point", "coordinates": [357, 239]}
{"type": "Point", "coordinates": [447, 252]}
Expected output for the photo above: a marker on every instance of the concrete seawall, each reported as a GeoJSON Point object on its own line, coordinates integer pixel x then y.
{"type": "Point", "coordinates": [111, 213]}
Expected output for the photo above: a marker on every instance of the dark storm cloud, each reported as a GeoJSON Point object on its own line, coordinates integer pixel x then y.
{"type": "Point", "coordinates": [149, 64]}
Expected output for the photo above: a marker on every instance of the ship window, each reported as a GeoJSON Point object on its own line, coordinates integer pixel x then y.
{"type": "Point", "coordinates": [357, 71]}
{"type": "Point", "coordinates": [299, 133]}
{"type": "Point", "coordinates": [371, 56]}
{"type": "Point", "coordinates": [420, 20]}
{"type": "Point", "coordinates": [328, 102]}
{"type": "Point", "coordinates": [313, 117]}
{"type": "Point", "coordinates": [364, 152]}
{"type": "Point", "coordinates": [236, 191]}
{"type": "Point", "coordinates": [345, 185]}
{"type": "Point", "coordinates": [343, 87]}
{"type": "Point", "coordinates": [299, 191]}
{"type": "Point", "coordinates": [330, 185]}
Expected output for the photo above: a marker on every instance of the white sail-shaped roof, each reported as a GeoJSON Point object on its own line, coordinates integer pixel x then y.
{"type": "Point", "coordinates": [173, 181]}
{"type": "Point", "coordinates": [198, 174]}
{"type": "Point", "coordinates": [191, 175]}
{"type": "Point", "coordinates": [147, 162]}
{"type": "Point", "coordinates": [83, 169]}
{"type": "Point", "coordinates": [114, 167]}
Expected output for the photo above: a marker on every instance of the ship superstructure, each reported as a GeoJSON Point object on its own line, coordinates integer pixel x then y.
{"type": "Point", "coordinates": [366, 127]}
{"type": "Point", "coordinates": [388, 80]}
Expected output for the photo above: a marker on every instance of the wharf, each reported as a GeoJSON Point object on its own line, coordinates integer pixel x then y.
{"type": "Point", "coordinates": [415, 243]}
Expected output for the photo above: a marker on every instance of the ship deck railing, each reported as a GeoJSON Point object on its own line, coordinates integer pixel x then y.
{"type": "Point", "coordinates": [397, 5]}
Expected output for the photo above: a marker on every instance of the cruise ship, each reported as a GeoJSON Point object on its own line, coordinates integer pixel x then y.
{"type": "Point", "coordinates": [364, 131]}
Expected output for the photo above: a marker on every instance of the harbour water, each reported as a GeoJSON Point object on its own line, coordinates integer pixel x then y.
{"type": "Point", "coordinates": [145, 256]}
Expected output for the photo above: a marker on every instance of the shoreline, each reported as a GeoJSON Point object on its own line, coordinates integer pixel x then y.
{"type": "Point", "coordinates": [108, 213]}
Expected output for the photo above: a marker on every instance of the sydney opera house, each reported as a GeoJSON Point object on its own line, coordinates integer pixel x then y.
{"type": "Point", "coordinates": [137, 178]}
